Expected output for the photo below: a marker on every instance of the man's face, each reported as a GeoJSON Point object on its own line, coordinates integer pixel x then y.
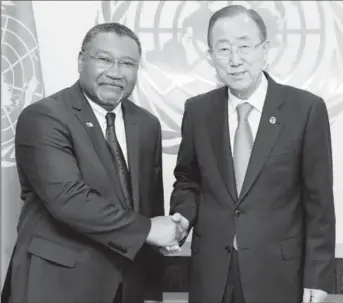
{"type": "Point", "coordinates": [103, 79]}
{"type": "Point", "coordinates": [238, 54]}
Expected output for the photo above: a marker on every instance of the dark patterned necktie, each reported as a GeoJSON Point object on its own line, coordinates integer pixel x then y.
{"type": "Point", "coordinates": [118, 157]}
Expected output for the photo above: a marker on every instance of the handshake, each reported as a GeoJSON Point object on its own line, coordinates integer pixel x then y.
{"type": "Point", "coordinates": [167, 231]}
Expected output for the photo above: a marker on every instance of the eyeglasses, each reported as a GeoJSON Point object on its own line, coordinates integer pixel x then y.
{"type": "Point", "coordinates": [224, 51]}
{"type": "Point", "coordinates": [106, 62]}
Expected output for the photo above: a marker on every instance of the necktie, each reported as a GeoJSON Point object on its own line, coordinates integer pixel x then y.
{"type": "Point", "coordinates": [118, 158]}
{"type": "Point", "coordinates": [243, 143]}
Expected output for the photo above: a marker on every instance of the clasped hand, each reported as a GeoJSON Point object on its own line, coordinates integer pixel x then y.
{"type": "Point", "coordinates": [167, 231]}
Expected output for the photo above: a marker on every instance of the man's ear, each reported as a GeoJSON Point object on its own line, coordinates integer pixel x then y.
{"type": "Point", "coordinates": [80, 62]}
{"type": "Point", "coordinates": [265, 46]}
{"type": "Point", "coordinates": [209, 57]}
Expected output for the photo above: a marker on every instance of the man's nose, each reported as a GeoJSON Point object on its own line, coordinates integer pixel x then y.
{"type": "Point", "coordinates": [115, 70]}
{"type": "Point", "coordinates": [235, 59]}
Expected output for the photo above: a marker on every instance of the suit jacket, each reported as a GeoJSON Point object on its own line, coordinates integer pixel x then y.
{"type": "Point", "coordinates": [77, 239]}
{"type": "Point", "coordinates": [284, 217]}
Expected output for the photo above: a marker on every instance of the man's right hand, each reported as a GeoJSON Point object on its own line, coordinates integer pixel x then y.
{"type": "Point", "coordinates": [183, 226]}
{"type": "Point", "coordinates": [164, 232]}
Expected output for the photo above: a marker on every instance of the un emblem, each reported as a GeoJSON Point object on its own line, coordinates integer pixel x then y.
{"type": "Point", "coordinates": [175, 65]}
{"type": "Point", "coordinates": [19, 75]}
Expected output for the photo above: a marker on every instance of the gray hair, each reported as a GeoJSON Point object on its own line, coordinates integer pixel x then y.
{"type": "Point", "coordinates": [233, 10]}
{"type": "Point", "coordinates": [112, 27]}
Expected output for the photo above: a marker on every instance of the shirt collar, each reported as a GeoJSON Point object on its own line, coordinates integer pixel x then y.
{"type": "Point", "coordinates": [101, 111]}
{"type": "Point", "coordinates": [257, 99]}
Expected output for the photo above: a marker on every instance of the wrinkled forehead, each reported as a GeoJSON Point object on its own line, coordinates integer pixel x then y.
{"type": "Point", "coordinates": [235, 28]}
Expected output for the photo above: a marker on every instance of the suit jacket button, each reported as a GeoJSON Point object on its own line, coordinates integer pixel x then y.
{"type": "Point", "coordinates": [237, 213]}
{"type": "Point", "coordinates": [228, 249]}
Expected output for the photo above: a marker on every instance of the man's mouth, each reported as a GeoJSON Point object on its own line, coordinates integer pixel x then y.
{"type": "Point", "coordinates": [114, 85]}
{"type": "Point", "coordinates": [237, 74]}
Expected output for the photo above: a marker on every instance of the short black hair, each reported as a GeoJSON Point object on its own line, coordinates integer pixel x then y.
{"type": "Point", "coordinates": [111, 27]}
{"type": "Point", "coordinates": [233, 10]}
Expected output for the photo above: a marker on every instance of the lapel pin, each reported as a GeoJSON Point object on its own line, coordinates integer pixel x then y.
{"type": "Point", "coordinates": [89, 124]}
{"type": "Point", "coordinates": [272, 120]}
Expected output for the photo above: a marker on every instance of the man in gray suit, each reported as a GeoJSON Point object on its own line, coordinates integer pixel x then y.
{"type": "Point", "coordinates": [254, 178]}
{"type": "Point", "coordinates": [90, 168]}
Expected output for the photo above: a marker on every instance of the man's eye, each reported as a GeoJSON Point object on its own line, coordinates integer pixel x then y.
{"type": "Point", "coordinates": [128, 63]}
{"type": "Point", "coordinates": [104, 60]}
{"type": "Point", "coordinates": [225, 49]}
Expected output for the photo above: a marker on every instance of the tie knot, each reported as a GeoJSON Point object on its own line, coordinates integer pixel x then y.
{"type": "Point", "coordinates": [110, 117]}
{"type": "Point", "coordinates": [244, 110]}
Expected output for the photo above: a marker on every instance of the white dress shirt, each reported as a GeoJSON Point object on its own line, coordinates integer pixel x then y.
{"type": "Point", "coordinates": [100, 114]}
{"type": "Point", "coordinates": [257, 100]}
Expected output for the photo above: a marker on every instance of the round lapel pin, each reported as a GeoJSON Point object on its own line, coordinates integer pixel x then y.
{"type": "Point", "coordinates": [272, 120]}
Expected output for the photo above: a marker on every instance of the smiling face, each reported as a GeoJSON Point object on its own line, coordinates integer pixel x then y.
{"type": "Point", "coordinates": [107, 86]}
{"type": "Point", "coordinates": [240, 72]}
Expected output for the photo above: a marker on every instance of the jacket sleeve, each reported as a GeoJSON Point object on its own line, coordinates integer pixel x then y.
{"type": "Point", "coordinates": [184, 198]}
{"type": "Point", "coordinates": [317, 176]}
{"type": "Point", "coordinates": [45, 157]}
{"type": "Point", "coordinates": [157, 188]}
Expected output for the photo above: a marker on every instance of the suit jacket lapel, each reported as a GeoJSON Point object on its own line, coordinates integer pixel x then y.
{"type": "Point", "coordinates": [132, 141]}
{"type": "Point", "coordinates": [268, 131]}
{"type": "Point", "coordinates": [87, 118]}
{"type": "Point", "coordinates": [220, 136]}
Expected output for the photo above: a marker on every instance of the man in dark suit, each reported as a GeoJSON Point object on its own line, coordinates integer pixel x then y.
{"type": "Point", "coordinates": [254, 178]}
{"type": "Point", "coordinates": [89, 163]}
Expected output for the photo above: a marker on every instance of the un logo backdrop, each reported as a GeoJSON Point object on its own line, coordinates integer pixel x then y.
{"type": "Point", "coordinates": [20, 71]}
{"type": "Point", "coordinates": [306, 51]}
